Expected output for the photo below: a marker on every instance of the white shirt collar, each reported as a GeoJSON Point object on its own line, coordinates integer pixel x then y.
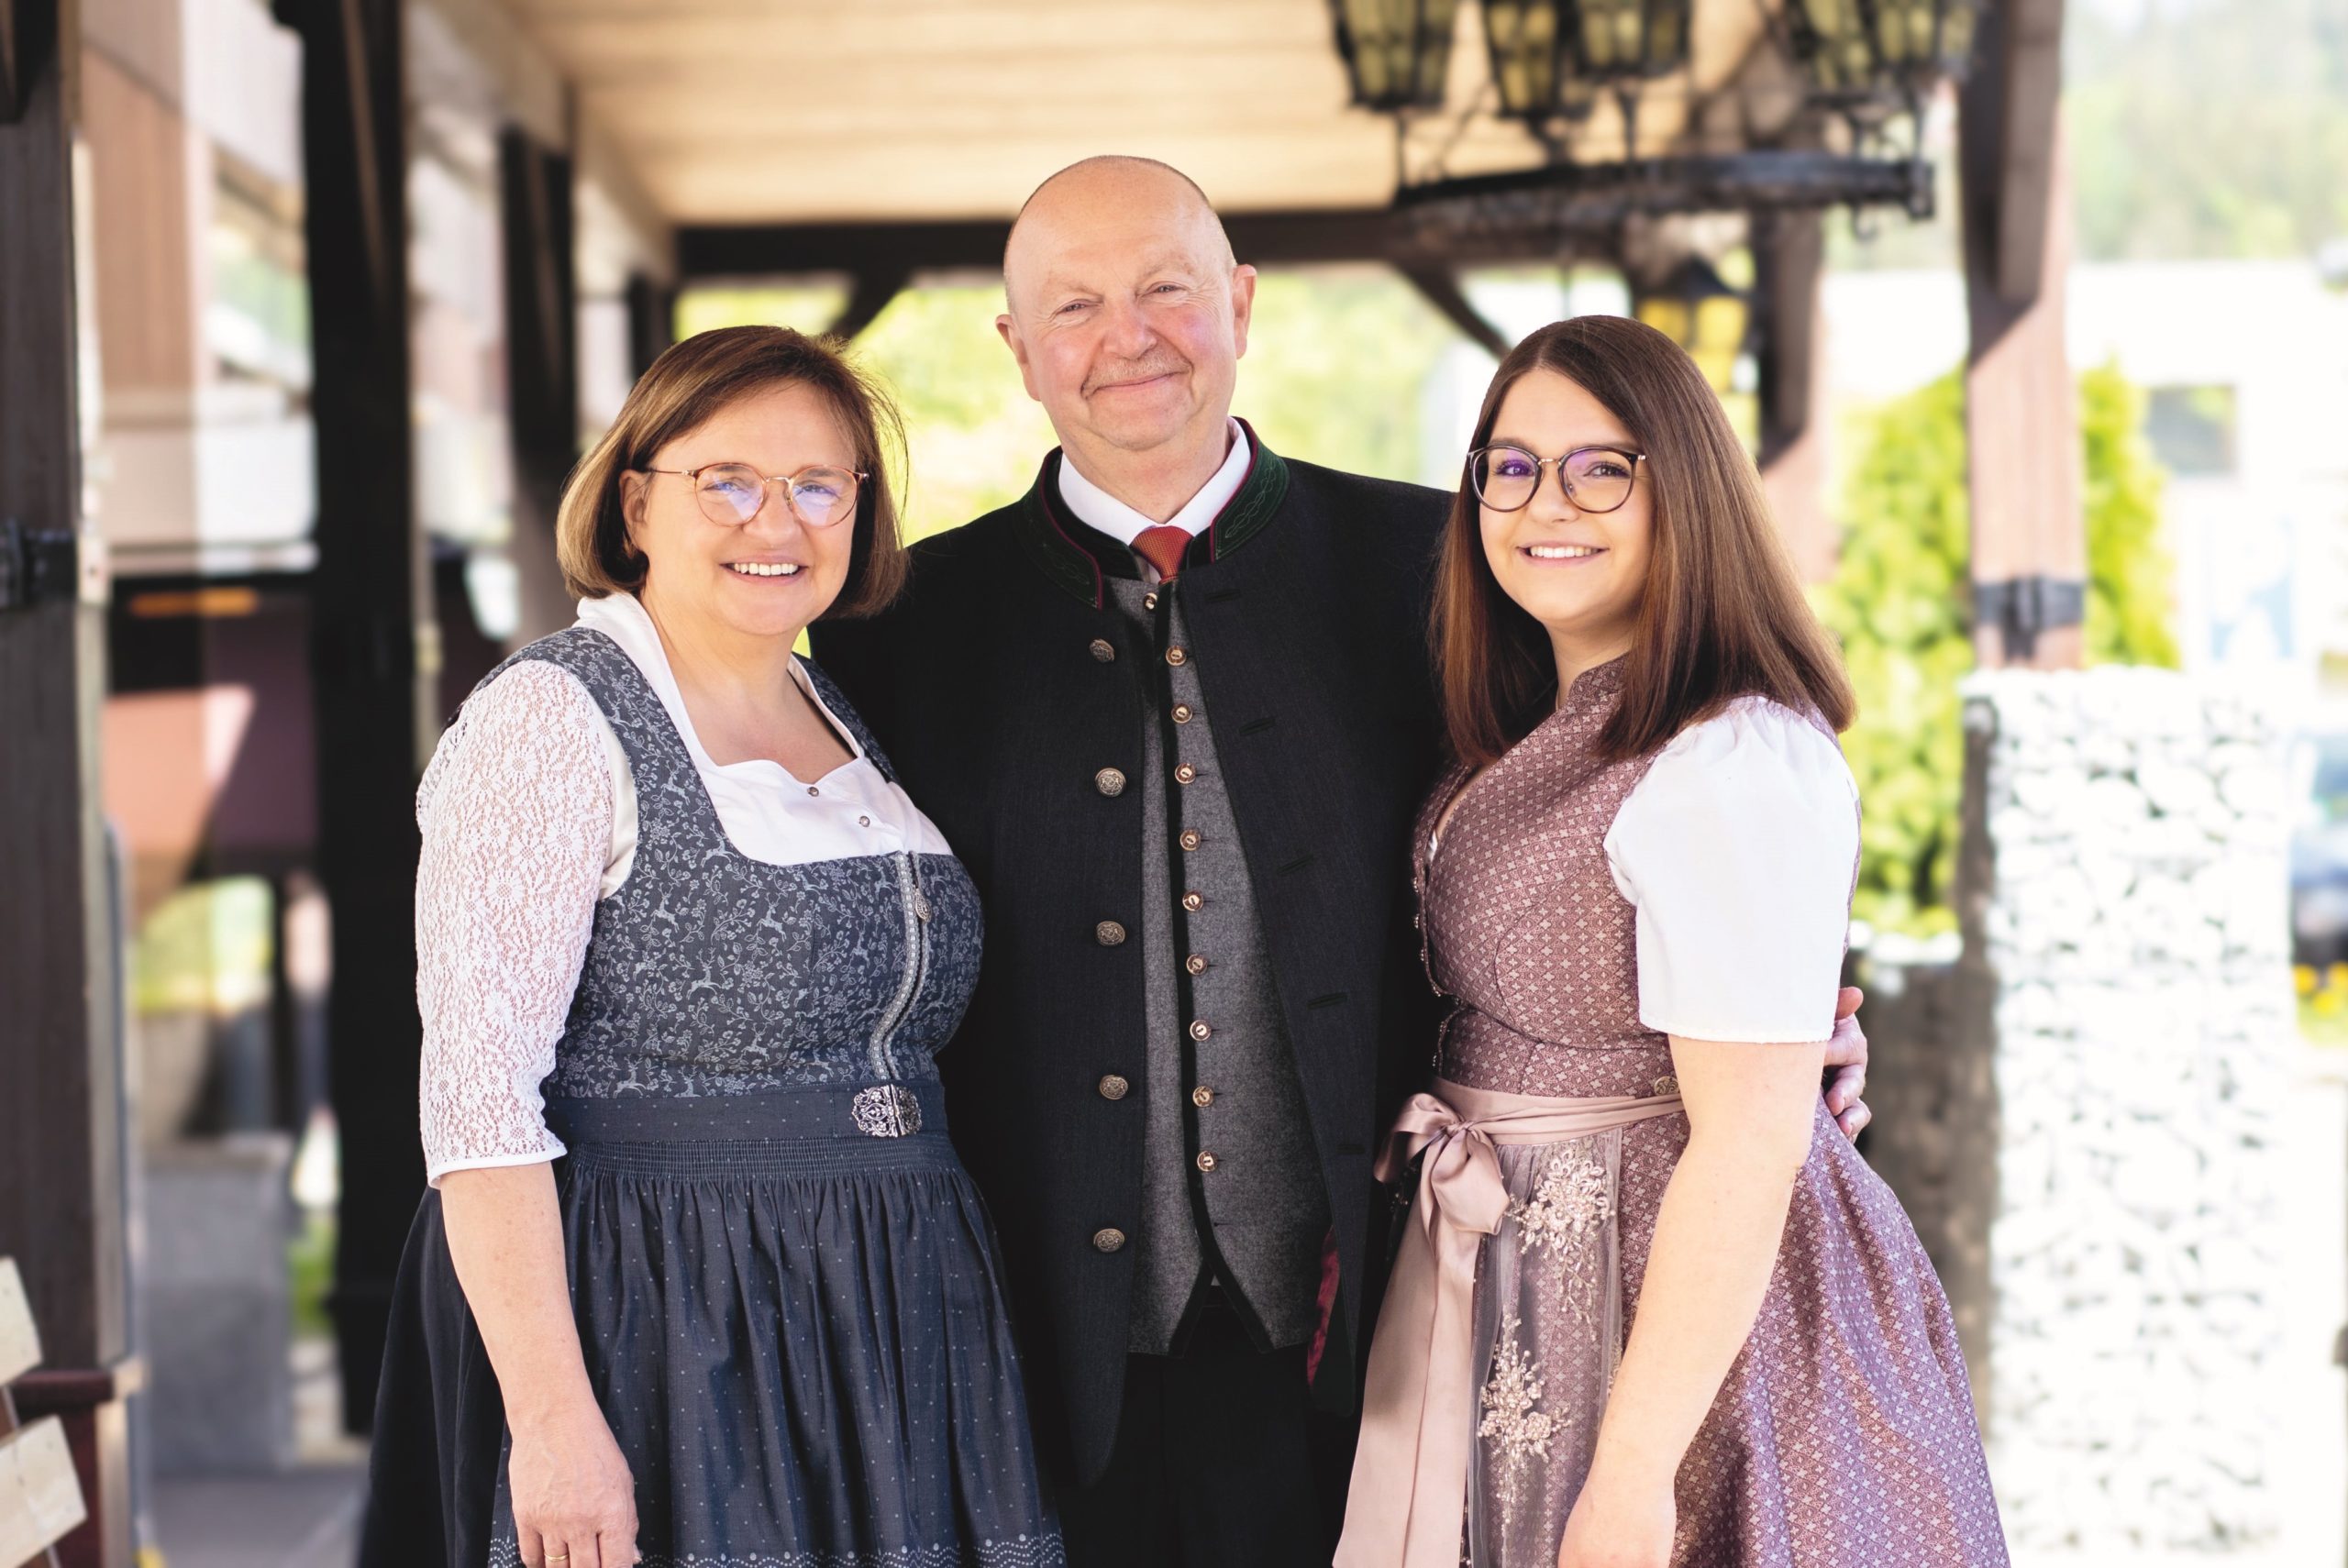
{"type": "Point", "coordinates": [1098, 509]}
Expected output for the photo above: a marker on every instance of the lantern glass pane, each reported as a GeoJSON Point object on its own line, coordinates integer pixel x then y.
{"type": "Point", "coordinates": [1670, 316]}
{"type": "Point", "coordinates": [1522, 37]}
{"type": "Point", "coordinates": [1401, 50]}
{"type": "Point", "coordinates": [1956, 38]}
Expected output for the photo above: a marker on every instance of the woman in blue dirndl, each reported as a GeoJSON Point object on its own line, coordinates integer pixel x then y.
{"type": "Point", "coordinates": [700, 1283]}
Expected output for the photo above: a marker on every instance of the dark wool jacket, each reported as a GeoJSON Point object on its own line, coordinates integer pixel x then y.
{"type": "Point", "coordinates": [1000, 684]}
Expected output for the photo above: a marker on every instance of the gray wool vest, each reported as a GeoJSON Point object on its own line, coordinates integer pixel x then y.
{"type": "Point", "coordinates": [1229, 1171]}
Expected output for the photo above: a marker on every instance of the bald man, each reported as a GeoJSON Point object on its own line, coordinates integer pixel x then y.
{"type": "Point", "coordinates": [1172, 710]}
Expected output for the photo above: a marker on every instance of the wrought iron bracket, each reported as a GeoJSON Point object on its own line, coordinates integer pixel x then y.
{"type": "Point", "coordinates": [36, 567]}
{"type": "Point", "coordinates": [2023, 607]}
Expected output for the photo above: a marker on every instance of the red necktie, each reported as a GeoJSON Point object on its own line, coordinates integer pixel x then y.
{"type": "Point", "coordinates": [1162, 547]}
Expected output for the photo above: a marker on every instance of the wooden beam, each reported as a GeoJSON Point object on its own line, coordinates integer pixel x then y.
{"type": "Point", "coordinates": [62, 1199]}
{"type": "Point", "coordinates": [541, 364]}
{"type": "Point", "coordinates": [1357, 234]}
{"type": "Point", "coordinates": [867, 296]}
{"type": "Point", "coordinates": [374, 692]}
{"type": "Point", "coordinates": [1439, 286]}
{"type": "Point", "coordinates": [2029, 552]}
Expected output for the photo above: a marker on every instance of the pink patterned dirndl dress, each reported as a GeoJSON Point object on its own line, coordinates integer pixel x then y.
{"type": "Point", "coordinates": [1844, 1435]}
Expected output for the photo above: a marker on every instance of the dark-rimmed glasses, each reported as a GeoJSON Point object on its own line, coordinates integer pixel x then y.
{"type": "Point", "coordinates": [1595, 478]}
{"type": "Point", "coordinates": [733, 493]}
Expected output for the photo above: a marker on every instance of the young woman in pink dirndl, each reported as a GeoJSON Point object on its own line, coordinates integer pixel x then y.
{"type": "Point", "coordinates": [1651, 1310]}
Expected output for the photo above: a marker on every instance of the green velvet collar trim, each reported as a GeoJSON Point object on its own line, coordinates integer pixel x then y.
{"type": "Point", "coordinates": [1053, 538]}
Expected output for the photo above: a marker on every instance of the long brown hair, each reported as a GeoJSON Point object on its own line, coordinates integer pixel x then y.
{"type": "Point", "coordinates": [1723, 614]}
{"type": "Point", "coordinates": [685, 389]}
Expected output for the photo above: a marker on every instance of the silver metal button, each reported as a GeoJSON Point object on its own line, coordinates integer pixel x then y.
{"type": "Point", "coordinates": [1109, 933]}
{"type": "Point", "coordinates": [1113, 1086]}
{"type": "Point", "coordinates": [1200, 1029]}
{"type": "Point", "coordinates": [1110, 781]}
{"type": "Point", "coordinates": [1108, 1239]}
{"type": "Point", "coordinates": [1103, 649]}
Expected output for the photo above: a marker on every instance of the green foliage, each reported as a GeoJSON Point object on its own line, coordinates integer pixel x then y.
{"type": "Point", "coordinates": [2131, 574]}
{"type": "Point", "coordinates": [1900, 602]}
{"type": "Point", "coordinates": [2208, 127]}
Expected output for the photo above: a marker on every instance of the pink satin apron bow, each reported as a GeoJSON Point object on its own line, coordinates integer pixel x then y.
{"type": "Point", "coordinates": [1410, 1483]}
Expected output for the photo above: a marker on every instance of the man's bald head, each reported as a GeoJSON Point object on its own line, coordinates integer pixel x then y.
{"type": "Point", "coordinates": [1114, 187]}
{"type": "Point", "coordinates": [1127, 313]}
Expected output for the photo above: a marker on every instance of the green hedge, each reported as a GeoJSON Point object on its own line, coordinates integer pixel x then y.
{"type": "Point", "coordinates": [1900, 603]}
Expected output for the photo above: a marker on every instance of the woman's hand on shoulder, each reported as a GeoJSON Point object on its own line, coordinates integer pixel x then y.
{"type": "Point", "coordinates": [575, 1501]}
{"type": "Point", "coordinates": [1621, 1522]}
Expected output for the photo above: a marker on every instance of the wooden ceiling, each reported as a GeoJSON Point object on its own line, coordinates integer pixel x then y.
{"type": "Point", "coordinates": [792, 111]}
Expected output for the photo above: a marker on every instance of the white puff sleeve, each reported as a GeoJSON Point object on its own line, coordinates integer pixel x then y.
{"type": "Point", "coordinates": [517, 812]}
{"type": "Point", "coordinates": [1740, 848]}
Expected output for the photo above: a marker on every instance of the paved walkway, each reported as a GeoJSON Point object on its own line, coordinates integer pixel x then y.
{"type": "Point", "coordinates": [304, 1518]}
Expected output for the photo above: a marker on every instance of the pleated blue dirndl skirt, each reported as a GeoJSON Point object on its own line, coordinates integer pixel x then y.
{"type": "Point", "coordinates": [795, 1328]}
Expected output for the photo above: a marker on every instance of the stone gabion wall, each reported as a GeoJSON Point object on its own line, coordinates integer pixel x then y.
{"type": "Point", "coordinates": [2127, 928]}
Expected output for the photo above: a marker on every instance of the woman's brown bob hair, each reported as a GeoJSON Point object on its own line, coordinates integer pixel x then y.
{"type": "Point", "coordinates": [1723, 615]}
{"type": "Point", "coordinates": [684, 389]}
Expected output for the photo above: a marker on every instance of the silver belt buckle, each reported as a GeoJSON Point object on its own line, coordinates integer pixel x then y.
{"type": "Point", "coordinates": [886, 1110]}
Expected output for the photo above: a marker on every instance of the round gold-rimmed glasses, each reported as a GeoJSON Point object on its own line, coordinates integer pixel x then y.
{"type": "Point", "coordinates": [733, 493]}
{"type": "Point", "coordinates": [1595, 478]}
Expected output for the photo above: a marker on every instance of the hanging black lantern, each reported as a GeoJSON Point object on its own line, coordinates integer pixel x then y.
{"type": "Point", "coordinates": [1856, 48]}
{"type": "Point", "coordinates": [1550, 57]}
{"type": "Point", "coordinates": [1397, 52]}
{"type": "Point", "coordinates": [1697, 309]}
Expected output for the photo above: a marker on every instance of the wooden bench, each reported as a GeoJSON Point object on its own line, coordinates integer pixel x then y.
{"type": "Point", "coordinates": [40, 1497]}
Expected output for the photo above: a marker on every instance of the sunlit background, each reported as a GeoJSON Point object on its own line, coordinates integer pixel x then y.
{"type": "Point", "coordinates": [2203, 186]}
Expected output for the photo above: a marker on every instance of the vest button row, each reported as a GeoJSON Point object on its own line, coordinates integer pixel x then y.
{"type": "Point", "coordinates": [1110, 781]}
{"type": "Point", "coordinates": [1200, 1029]}
{"type": "Point", "coordinates": [1206, 1161]}
{"type": "Point", "coordinates": [1149, 600]}
{"type": "Point", "coordinates": [1185, 774]}
{"type": "Point", "coordinates": [1194, 902]}
{"type": "Point", "coordinates": [1103, 650]}
{"type": "Point", "coordinates": [1196, 963]}
{"type": "Point", "coordinates": [1184, 712]}
{"type": "Point", "coordinates": [1191, 839]}
{"type": "Point", "coordinates": [1113, 1086]}
{"type": "Point", "coordinates": [1109, 933]}
{"type": "Point", "coordinates": [1177, 656]}
{"type": "Point", "coordinates": [1108, 1239]}
{"type": "Point", "coordinates": [1202, 1096]}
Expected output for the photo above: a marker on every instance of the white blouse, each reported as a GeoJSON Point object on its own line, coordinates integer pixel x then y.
{"type": "Point", "coordinates": [1739, 848]}
{"type": "Point", "coordinates": [529, 818]}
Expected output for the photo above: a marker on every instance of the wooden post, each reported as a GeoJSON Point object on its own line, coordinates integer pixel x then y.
{"type": "Point", "coordinates": [651, 321]}
{"type": "Point", "coordinates": [541, 363]}
{"type": "Point", "coordinates": [372, 647]}
{"type": "Point", "coordinates": [1789, 261]}
{"type": "Point", "coordinates": [2022, 407]}
{"type": "Point", "coordinates": [61, 1191]}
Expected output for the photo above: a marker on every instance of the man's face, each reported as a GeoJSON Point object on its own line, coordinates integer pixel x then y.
{"type": "Point", "coordinates": [1127, 315]}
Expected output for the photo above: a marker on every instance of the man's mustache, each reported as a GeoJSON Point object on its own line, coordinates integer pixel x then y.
{"type": "Point", "coordinates": [1140, 370]}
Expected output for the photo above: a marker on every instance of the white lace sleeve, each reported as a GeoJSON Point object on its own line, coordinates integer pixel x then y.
{"type": "Point", "coordinates": [516, 811]}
